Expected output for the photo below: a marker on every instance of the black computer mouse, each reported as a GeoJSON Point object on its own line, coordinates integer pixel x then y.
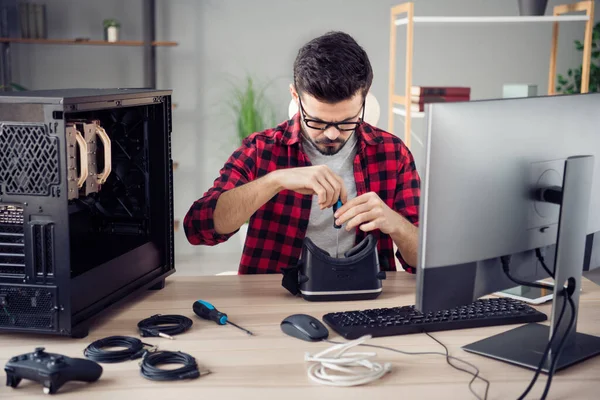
{"type": "Point", "coordinates": [305, 327]}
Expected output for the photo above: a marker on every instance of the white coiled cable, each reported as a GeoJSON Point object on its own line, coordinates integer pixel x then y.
{"type": "Point", "coordinates": [335, 367]}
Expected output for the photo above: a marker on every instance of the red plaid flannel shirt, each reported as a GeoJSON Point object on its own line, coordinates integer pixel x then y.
{"type": "Point", "coordinates": [383, 164]}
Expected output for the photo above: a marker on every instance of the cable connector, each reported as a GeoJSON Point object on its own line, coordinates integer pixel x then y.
{"type": "Point", "coordinates": [190, 375]}
{"type": "Point", "coordinates": [164, 326]}
{"type": "Point", "coordinates": [145, 332]}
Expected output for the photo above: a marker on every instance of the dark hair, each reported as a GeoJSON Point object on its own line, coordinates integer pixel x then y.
{"type": "Point", "coordinates": [332, 68]}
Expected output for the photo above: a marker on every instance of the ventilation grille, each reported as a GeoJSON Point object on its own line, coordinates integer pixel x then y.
{"type": "Point", "coordinates": [43, 249]}
{"type": "Point", "coordinates": [28, 160]}
{"type": "Point", "coordinates": [12, 241]}
{"type": "Point", "coordinates": [27, 307]}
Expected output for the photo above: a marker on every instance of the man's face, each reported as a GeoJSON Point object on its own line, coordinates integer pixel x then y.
{"type": "Point", "coordinates": [316, 115]}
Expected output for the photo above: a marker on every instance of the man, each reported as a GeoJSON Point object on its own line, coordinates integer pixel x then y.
{"type": "Point", "coordinates": [286, 179]}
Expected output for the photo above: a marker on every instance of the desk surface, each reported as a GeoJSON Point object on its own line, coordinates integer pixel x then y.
{"type": "Point", "coordinates": [271, 365]}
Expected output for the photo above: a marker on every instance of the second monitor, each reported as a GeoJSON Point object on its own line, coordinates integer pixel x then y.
{"type": "Point", "coordinates": [486, 162]}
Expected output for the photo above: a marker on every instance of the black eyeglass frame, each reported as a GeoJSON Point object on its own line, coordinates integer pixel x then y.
{"type": "Point", "coordinates": [308, 121]}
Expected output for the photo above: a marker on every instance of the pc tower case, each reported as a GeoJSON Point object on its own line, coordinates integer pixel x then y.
{"type": "Point", "coordinates": [86, 204]}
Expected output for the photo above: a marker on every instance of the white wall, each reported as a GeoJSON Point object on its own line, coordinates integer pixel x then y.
{"type": "Point", "coordinates": [220, 40]}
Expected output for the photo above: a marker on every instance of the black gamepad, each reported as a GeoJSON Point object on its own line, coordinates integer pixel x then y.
{"type": "Point", "coordinates": [49, 369]}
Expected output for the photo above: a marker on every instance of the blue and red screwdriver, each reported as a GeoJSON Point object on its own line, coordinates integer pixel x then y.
{"type": "Point", "coordinates": [205, 310]}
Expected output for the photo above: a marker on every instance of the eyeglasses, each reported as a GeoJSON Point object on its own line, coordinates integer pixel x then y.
{"type": "Point", "coordinates": [323, 126]}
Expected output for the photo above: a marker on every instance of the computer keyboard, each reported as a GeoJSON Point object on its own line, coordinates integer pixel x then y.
{"type": "Point", "coordinates": [406, 319]}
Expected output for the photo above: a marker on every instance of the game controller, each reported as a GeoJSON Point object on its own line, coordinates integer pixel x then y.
{"type": "Point", "coordinates": [49, 369]}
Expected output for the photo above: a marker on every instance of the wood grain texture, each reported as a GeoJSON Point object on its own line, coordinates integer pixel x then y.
{"type": "Point", "coordinates": [83, 42]}
{"type": "Point", "coordinates": [392, 71]}
{"type": "Point", "coordinates": [271, 365]}
{"type": "Point", "coordinates": [408, 9]}
{"type": "Point", "coordinates": [588, 7]}
{"type": "Point", "coordinates": [410, 28]}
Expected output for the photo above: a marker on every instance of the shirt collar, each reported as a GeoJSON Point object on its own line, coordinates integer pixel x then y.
{"type": "Point", "coordinates": [366, 133]}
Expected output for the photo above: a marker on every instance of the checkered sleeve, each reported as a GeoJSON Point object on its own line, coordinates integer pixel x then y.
{"type": "Point", "coordinates": [407, 196]}
{"type": "Point", "coordinates": [239, 169]}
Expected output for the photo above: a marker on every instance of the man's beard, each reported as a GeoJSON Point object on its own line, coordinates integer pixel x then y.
{"type": "Point", "coordinates": [327, 150]}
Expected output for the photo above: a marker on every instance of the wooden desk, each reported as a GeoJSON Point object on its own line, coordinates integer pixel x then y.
{"type": "Point", "coordinates": [271, 365]}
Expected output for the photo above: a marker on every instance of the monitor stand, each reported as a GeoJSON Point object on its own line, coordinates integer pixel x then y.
{"type": "Point", "coordinates": [525, 346]}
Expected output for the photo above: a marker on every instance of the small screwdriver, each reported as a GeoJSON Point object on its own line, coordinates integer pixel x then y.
{"type": "Point", "coordinates": [336, 206]}
{"type": "Point", "coordinates": [205, 310]}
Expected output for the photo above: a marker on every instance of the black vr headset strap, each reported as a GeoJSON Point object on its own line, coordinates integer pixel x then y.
{"type": "Point", "coordinates": [290, 279]}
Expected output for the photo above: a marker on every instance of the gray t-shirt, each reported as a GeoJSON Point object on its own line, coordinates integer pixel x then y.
{"type": "Point", "coordinates": [320, 224]}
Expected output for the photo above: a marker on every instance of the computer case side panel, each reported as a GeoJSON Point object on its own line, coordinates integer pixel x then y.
{"type": "Point", "coordinates": [149, 260]}
{"type": "Point", "coordinates": [34, 261]}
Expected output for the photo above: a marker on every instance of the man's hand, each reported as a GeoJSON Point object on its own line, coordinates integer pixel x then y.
{"type": "Point", "coordinates": [319, 180]}
{"type": "Point", "coordinates": [369, 212]}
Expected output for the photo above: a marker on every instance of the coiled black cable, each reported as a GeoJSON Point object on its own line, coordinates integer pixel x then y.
{"type": "Point", "coordinates": [164, 325]}
{"type": "Point", "coordinates": [189, 370]}
{"type": "Point", "coordinates": [134, 348]}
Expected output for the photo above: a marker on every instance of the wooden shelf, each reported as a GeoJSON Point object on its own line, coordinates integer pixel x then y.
{"type": "Point", "coordinates": [402, 112]}
{"type": "Point", "coordinates": [84, 42]}
{"type": "Point", "coordinates": [176, 225]}
{"type": "Point", "coordinates": [175, 165]}
{"type": "Point", "coordinates": [404, 15]}
{"type": "Point", "coordinates": [492, 19]}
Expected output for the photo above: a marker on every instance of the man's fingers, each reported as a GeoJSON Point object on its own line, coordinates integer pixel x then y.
{"type": "Point", "coordinates": [344, 194]}
{"type": "Point", "coordinates": [360, 219]}
{"type": "Point", "coordinates": [329, 190]}
{"type": "Point", "coordinates": [352, 203]}
{"type": "Point", "coordinates": [352, 213]}
{"type": "Point", "coordinates": [320, 191]}
{"type": "Point", "coordinates": [370, 226]}
{"type": "Point", "coordinates": [335, 183]}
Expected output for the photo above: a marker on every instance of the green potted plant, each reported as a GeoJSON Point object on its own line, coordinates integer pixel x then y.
{"type": "Point", "coordinates": [572, 82]}
{"type": "Point", "coordinates": [111, 30]}
{"type": "Point", "coordinates": [13, 86]}
{"type": "Point", "coordinates": [532, 7]}
{"type": "Point", "coordinates": [251, 113]}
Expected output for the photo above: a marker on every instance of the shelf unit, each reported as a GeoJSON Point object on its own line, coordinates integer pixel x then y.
{"type": "Point", "coordinates": [148, 43]}
{"type": "Point", "coordinates": [400, 104]}
{"type": "Point", "coordinates": [87, 42]}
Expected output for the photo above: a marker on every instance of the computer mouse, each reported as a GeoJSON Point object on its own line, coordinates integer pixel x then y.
{"type": "Point", "coordinates": [305, 327]}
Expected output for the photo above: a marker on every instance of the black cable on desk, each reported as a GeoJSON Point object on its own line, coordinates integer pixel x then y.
{"type": "Point", "coordinates": [164, 325]}
{"type": "Point", "coordinates": [134, 348]}
{"type": "Point", "coordinates": [567, 293]}
{"type": "Point", "coordinates": [560, 345]}
{"type": "Point", "coordinates": [189, 370]}
{"type": "Point", "coordinates": [540, 258]}
{"type": "Point", "coordinates": [505, 260]}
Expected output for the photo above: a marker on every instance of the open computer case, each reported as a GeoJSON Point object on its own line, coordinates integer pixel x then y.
{"type": "Point", "coordinates": [86, 204]}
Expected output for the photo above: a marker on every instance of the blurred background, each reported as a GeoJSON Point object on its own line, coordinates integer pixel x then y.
{"type": "Point", "coordinates": [219, 55]}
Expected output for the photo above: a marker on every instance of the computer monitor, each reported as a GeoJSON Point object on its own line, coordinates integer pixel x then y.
{"type": "Point", "coordinates": [485, 163]}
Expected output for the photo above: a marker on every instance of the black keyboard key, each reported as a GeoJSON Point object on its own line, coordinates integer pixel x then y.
{"type": "Point", "coordinates": [405, 320]}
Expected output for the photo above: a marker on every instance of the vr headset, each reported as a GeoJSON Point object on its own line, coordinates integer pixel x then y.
{"type": "Point", "coordinates": [320, 277]}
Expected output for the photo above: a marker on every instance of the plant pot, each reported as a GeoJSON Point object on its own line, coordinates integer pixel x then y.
{"type": "Point", "coordinates": [242, 234]}
{"type": "Point", "coordinates": [532, 7]}
{"type": "Point", "coordinates": [111, 34]}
